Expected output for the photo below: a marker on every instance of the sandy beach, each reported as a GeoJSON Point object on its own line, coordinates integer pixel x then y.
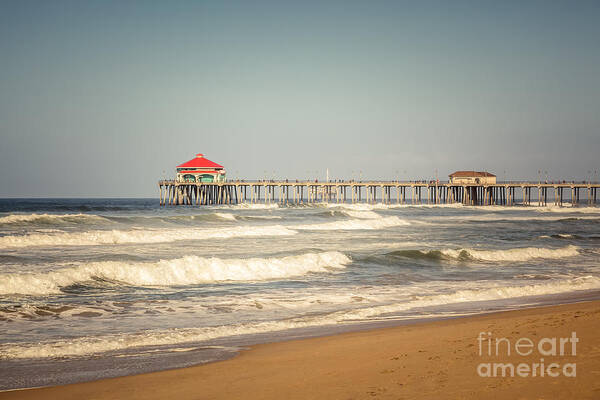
{"type": "Point", "coordinates": [299, 200]}
{"type": "Point", "coordinates": [438, 359]}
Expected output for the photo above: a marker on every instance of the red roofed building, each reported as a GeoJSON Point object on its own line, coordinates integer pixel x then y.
{"type": "Point", "coordinates": [200, 169]}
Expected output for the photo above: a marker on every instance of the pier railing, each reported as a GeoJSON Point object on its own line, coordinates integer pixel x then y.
{"type": "Point", "coordinates": [367, 191]}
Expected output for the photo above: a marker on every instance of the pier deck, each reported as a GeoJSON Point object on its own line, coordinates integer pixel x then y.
{"type": "Point", "coordinates": [370, 192]}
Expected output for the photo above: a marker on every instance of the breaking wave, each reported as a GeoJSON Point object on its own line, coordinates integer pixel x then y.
{"type": "Point", "coordinates": [518, 254]}
{"type": "Point", "coordinates": [362, 214]}
{"type": "Point", "coordinates": [50, 218]}
{"type": "Point", "coordinates": [100, 237]}
{"type": "Point", "coordinates": [226, 216]}
{"type": "Point", "coordinates": [254, 206]}
{"type": "Point", "coordinates": [258, 217]}
{"type": "Point", "coordinates": [231, 217]}
{"type": "Point", "coordinates": [501, 217]}
{"type": "Point", "coordinates": [92, 345]}
{"type": "Point", "coordinates": [562, 236]}
{"type": "Point", "coordinates": [418, 254]}
{"type": "Point", "coordinates": [381, 206]}
{"type": "Point", "coordinates": [582, 210]}
{"type": "Point", "coordinates": [186, 219]}
{"type": "Point", "coordinates": [180, 271]}
{"type": "Point", "coordinates": [356, 224]}
{"type": "Point", "coordinates": [565, 236]}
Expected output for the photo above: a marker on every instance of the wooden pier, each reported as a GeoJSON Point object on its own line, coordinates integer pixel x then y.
{"type": "Point", "coordinates": [371, 192]}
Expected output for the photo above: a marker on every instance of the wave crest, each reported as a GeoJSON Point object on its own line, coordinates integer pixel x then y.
{"type": "Point", "coordinates": [49, 218]}
{"type": "Point", "coordinates": [98, 237]}
{"type": "Point", "coordinates": [181, 271]}
{"type": "Point", "coordinates": [356, 224]}
{"type": "Point", "coordinates": [517, 254]}
{"type": "Point", "coordinates": [571, 209]}
{"type": "Point", "coordinates": [362, 214]}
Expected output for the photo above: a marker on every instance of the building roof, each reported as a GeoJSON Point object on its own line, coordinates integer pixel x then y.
{"type": "Point", "coordinates": [200, 162]}
{"type": "Point", "coordinates": [200, 172]}
{"type": "Point", "coordinates": [469, 174]}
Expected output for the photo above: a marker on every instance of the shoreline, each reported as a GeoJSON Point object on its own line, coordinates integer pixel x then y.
{"type": "Point", "coordinates": [223, 349]}
{"type": "Point", "coordinates": [387, 362]}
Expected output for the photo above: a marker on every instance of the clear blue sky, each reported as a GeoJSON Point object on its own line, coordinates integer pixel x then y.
{"type": "Point", "coordinates": [98, 98]}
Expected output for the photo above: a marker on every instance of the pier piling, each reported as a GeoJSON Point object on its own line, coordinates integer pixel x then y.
{"type": "Point", "coordinates": [233, 192]}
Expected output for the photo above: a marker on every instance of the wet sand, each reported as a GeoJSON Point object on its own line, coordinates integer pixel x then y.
{"type": "Point", "coordinates": [428, 360]}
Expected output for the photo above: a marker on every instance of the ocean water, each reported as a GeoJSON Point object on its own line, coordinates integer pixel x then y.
{"type": "Point", "coordinates": [92, 288]}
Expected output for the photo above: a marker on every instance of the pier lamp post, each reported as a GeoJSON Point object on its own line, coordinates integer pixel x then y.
{"type": "Point", "coordinates": [595, 178]}
{"type": "Point", "coordinates": [397, 176]}
{"type": "Point", "coordinates": [539, 177]}
{"type": "Point", "coordinates": [504, 176]}
{"type": "Point", "coordinates": [405, 174]}
{"type": "Point", "coordinates": [546, 172]}
{"type": "Point", "coordinates": [360, 176]}
{"type": "Point", "coordinates": [589, 176]}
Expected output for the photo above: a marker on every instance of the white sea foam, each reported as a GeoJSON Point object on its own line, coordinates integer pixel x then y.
{"type": "Point", "coordinates": [255, 206]}
{"type": "Point", "coordinates": [483, 294]}
{"type": "Point", "coordinates": [100, 237]}
{"type": "Point", "coordinates": [582, 210]}
{"type": "Point", "coordinates": [381, 206]}
{"type": "Point", "coordinates": [98, 344]}
{"type": "Point", "coordinates": [449, 205]}
{"type": "Point", "coordinates": [355, 224]}
{"type": "Point", "coordinates": [29, 312]}
{"type": "Point", "coordinates": [362, 214]}
{"type": "Point", "coordinates": [226, 216]}
{"type": "Point", "coordinates": [181, 271]}
{"type": "Point", "coordinates": [49, 218]}
{"type": "Point", "coordinates": [261, 217]}
{"type": "Point", "coordinates": [518, 254]}
{"type": "Point", "coordinates": [503, 217]}
{"type": "Point", "coordinates": [354, 207]}
{"type": "Point", "coordinates": [561, 236]}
